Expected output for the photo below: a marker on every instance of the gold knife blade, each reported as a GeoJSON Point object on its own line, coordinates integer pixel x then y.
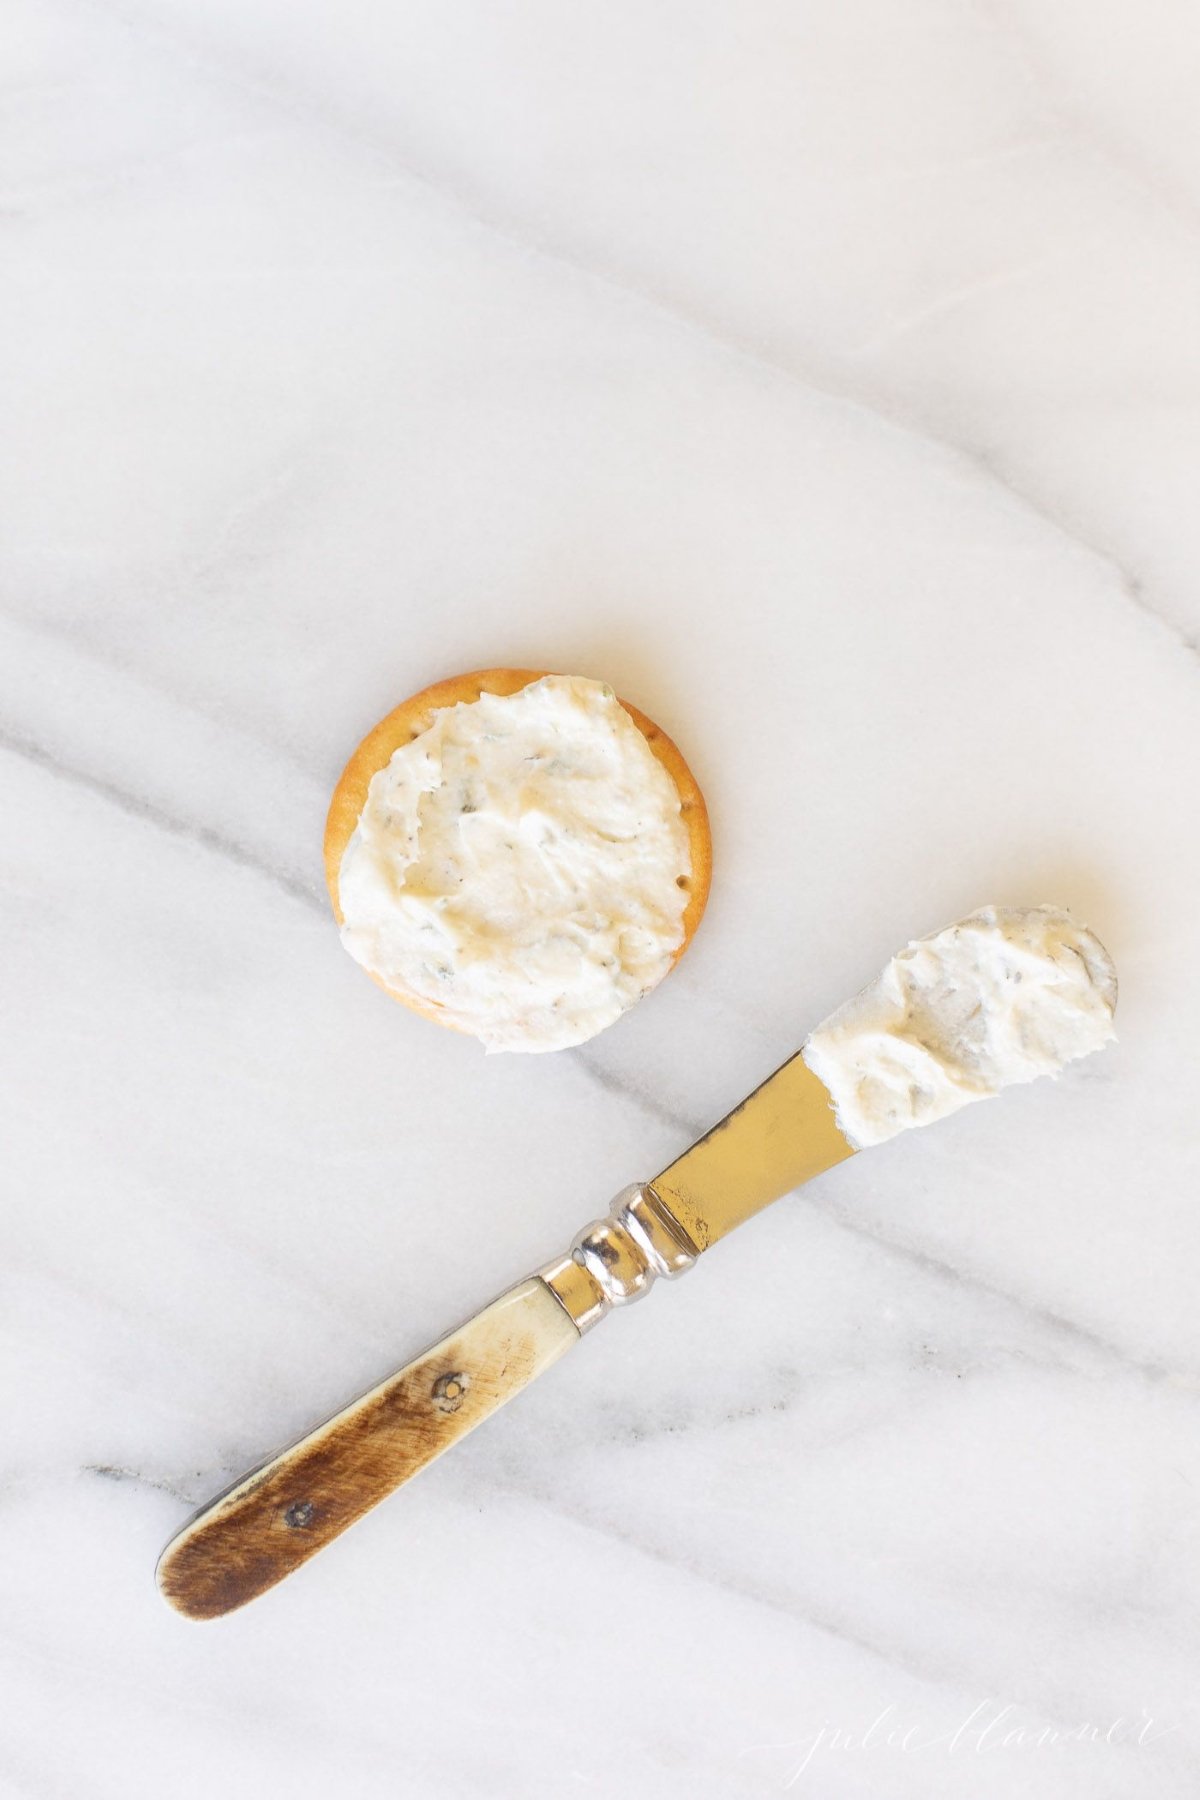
{"type": "Point", "coordinates": [780, 1136]}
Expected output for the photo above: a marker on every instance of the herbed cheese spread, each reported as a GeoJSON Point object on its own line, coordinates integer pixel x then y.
{"type": "Point", "coordinates": [522, 866]}
{"type": "Point", "coordinates": [1004, 996]}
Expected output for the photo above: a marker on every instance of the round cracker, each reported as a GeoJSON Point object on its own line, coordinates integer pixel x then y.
{"type": "Point", "coordinates": [414, 716]}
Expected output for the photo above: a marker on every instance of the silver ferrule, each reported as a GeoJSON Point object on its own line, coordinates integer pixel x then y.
{"type": "Point", "coordinates": [615, 1260]}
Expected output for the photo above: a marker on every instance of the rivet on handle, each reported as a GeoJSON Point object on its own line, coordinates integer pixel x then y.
{"type": "Point", "coordinates": [449, 1390]}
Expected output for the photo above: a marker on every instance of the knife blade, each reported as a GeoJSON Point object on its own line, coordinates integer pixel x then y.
{"type": "Point", "coordinates": [780, 1136]}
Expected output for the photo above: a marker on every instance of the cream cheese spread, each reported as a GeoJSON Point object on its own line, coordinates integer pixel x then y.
{"type": "Point", "coordinates": [1004, 996]}
{"type": "Point", "coordinates": [521, 866]}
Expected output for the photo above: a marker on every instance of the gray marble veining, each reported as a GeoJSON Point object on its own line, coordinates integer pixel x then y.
{"type": "Point", "coordinates": [827, 380]}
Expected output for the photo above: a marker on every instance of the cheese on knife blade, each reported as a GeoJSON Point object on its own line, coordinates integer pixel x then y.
{"type": "Point", "coordinates": [1002, 997]}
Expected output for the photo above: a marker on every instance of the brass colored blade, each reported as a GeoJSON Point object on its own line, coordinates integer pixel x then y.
{"type": "Point", "coordinates": [783, 1135]}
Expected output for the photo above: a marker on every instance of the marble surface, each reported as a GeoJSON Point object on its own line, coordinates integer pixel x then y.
{"type": "Point", "coordinates": [826, 378]}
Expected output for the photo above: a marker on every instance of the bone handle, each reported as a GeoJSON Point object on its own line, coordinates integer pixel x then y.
{"type": "Point", "coordinates": [279, 1515]}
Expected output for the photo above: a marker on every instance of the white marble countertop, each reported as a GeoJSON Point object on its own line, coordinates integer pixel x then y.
{"type": "Point", "coordinates": [826, 378]}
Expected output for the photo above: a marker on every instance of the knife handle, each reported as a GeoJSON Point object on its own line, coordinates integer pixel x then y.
{"type": "Point", "coordinates": [280, 1514]}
